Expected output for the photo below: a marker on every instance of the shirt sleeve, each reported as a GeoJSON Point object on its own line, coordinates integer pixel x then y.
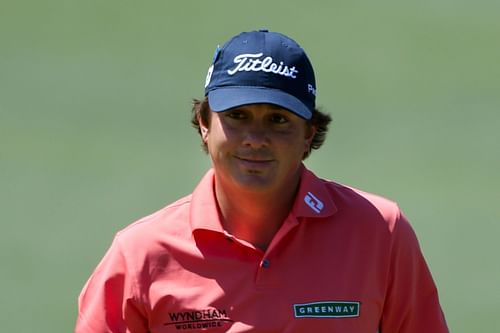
{"type": "Point", "coordinates": [412, 303]}
{"type": "Point", "coordinates": [107, 302]}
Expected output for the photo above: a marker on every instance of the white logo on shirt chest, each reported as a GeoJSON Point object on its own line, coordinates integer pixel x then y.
{"type": "Point", "coordinates": [313, 202]}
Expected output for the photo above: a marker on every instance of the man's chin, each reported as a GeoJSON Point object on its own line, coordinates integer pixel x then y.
{"type": "Point", "coordinates": [256, 181]}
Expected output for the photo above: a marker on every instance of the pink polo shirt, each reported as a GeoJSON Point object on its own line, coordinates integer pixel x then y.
{"type": "Point", "coordinates": [343, 261]}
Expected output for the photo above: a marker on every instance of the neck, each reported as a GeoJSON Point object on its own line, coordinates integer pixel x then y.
{"type": "Point", "coordinates": [255, 216]}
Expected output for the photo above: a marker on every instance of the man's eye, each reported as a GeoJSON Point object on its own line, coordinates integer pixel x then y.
{"type": "Point", "coordinates": [236, 115]}
{"type": "Point", "coordinates": [278, 119]}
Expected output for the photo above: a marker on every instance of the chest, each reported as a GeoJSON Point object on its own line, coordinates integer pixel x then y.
{"type": "Point", "coordinates": [332, 286]}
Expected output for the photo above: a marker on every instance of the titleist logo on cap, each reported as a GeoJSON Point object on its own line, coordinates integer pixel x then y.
{"type": "Point", "coordinates": [261, 67]}
{"type": "Point", "coordinates": [252, 62]}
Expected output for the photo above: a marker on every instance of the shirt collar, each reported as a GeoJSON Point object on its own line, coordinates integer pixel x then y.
{"type": "Point", "coordinates": [204, 207]}
{"type": "Point", "coordinates": [312, 200]}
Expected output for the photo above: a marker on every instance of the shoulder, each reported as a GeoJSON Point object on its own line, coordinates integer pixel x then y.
{"type": "Point", "coordinates": [349, 197]}
{"type": "Point", "coordinates": [171, 219]}
{"type": "Point", "coordinates": [359, 207]}
{"type": "Point", "coordinates": [374, 213]}
{"type": "Point", "coordinates": [350, 205]}
{"type": "Point", "coordinates": [147, 244]}
{"type": "Point", "coordinates": [372, 219]}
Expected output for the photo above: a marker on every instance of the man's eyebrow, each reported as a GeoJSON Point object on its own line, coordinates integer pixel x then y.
{"type": "Point", "coordinates": [276, 107]}
{"type": "Point", "coordinates": [238, 108]}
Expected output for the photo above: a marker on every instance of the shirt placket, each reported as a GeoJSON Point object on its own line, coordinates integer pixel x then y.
{"type": "Point", "coordinates": [267, 274]}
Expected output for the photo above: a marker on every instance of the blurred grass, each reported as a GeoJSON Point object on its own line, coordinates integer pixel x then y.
{"type": "Point", "coordinates": [94, 130]}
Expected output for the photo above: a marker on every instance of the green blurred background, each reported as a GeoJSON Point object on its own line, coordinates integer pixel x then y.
{"type": "Point", "coordinates": [94, 130]}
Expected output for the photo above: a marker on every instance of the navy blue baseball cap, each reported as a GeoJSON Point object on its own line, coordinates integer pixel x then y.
{"type": "Point", "coordinates": [261, 67]}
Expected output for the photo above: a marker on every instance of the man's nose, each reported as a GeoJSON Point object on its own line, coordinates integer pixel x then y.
{"type": "Point", "coordinates": [255, 135]}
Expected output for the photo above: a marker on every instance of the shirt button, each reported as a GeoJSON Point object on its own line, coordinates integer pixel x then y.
{"type": "Point", "coordinates": [265, 263]}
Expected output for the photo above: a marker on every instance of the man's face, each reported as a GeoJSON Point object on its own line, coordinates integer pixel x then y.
{"type": "Point", "coordinates": [257, 147]}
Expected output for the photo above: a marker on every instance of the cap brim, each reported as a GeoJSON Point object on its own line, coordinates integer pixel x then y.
{"type": "Point", "coordinates": [222, 99]}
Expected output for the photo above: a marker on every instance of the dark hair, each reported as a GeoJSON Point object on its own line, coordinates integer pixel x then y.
{"type": "Point", "coordinates": [319, 120]}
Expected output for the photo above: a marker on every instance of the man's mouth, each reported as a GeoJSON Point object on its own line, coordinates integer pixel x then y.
{"type": "Point", "coordinates": [253, 162]}
{"type": "Point", "coordinates": [253, 159]}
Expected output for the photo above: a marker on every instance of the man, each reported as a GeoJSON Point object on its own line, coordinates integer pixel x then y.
{"type": "Point", "coordinates": [262, 244]}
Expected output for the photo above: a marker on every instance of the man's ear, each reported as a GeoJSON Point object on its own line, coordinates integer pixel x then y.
{"type": "Point", "coordinates": [203, 129]}
{"type": "Point", "coordinates": [310, 133]}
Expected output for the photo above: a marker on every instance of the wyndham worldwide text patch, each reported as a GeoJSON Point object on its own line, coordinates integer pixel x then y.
{"type": "Point", "coordinates": [327, 309]}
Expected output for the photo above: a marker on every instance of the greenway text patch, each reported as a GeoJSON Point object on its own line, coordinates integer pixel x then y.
{"type": "Point", "coordinates": [327, 309]}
